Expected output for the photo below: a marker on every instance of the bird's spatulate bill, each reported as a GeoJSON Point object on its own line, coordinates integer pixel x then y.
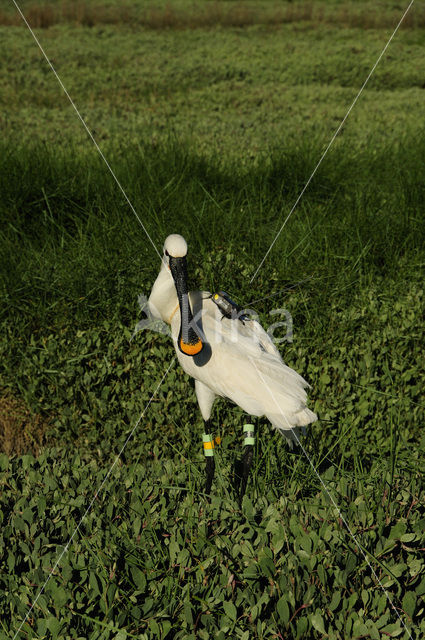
{"type": "Point", "coordinates": [189, 342]}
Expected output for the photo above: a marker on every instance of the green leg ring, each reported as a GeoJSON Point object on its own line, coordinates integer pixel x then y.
{"type": "Point", "coordinates": [249, 433]}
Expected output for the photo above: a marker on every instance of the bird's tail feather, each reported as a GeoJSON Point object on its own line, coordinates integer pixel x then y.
{"type": "Point", "coordinates": [293, 427]}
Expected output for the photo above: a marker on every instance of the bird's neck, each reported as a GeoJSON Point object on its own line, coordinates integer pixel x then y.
{"type": "Point", "coordinates": [163, 300]}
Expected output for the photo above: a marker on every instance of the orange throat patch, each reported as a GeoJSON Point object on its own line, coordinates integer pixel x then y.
{"type": "Point", "coordinates": [191, 349]}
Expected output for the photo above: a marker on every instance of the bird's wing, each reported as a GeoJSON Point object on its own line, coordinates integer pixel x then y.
{"type": "Point", "coordinates": [246, 330]}
{"type": "Point", "coordinates": [263, 338]}
{"type": "Point", "coordinates": [245, 367]}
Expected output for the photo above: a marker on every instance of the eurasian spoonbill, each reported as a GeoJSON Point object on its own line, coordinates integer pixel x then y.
{"type": "Point", "coordinates": [228, 354]}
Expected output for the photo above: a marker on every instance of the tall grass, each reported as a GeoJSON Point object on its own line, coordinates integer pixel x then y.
{"type": "Point", "coordinates": [70, 243]}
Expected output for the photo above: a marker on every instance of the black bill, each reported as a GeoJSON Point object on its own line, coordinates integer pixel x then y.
{"type": "Point", "coordinates": [189, 342]}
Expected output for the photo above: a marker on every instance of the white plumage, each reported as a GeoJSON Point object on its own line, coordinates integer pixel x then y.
{"type": "Point", "coordinates": [238, 360]}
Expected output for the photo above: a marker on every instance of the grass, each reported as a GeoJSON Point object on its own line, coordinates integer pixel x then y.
{"type": "Point", "coordinates": [66, 210]}
{"type": "Point", "coordinates": [233, 93]}
{"type": "Point", "coordinates": [152, 558]}
{"type": "Point", "coordinates": [185, 15]}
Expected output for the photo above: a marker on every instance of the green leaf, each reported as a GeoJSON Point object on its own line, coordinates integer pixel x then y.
{"type": "Point", "coordinates": [4, 462]}
{"type": "Point", "coordinates": [188, 613]}
{"type": "Point", "coordinates": [322, 574]}
{"type": "Point", "coordinates": [154, 627]}
{"type": "Point", "coordinates": [392, 630]}
{"type": "Point", "coordinates": [282, 608]}
{"type": "Point", "coordinates": [420, 589]}
{"type": "Point", "coordinates": [166, 628]}
{"type": "Point", "coordinates": [398, 569]}
{"type": "Point", "coordinates": [267, 567]}
{"type": "Point", "coordinates": [94, 583]}
{"type": "Point", "coordinates": [230, 610]}
{"type": "Point", "coordinates": [408, 537]}
{"type": "Point", "coordinates": [60, 597]}
{"type": "Point", "coordinates": [317, 622]}
{"type": "Point", "coordinates": [409, 603]}
{"type": "Point", "coordinates": [54, 625]}
{"type": "Point", "coordinates": [336, 599]}
{"type": "Point", "coordinates": [419, 526]}
{"type": "Point", "coordinates": [139, 578]}
{"type": "Point", "coordinates": [28, 515]}
{"type": "Point", "coordinates": [359, 628]}
{"type": "Point", "coordinates": [41, 627]}
{"type": "Point", "coordinates": [397, 531]}
{"type": "Point", "coordinates": [110, 594]}
{"type": "Point", "coordinates": [351, 562]}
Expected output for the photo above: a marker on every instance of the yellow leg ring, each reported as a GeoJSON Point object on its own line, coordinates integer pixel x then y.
{"type": "Point", "coordinates": [209, 443]}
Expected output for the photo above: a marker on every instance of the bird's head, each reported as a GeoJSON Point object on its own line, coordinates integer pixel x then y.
{"type": "Point", "coordinates": [175, 246]}
{"type": "Point", "coordinates": [175, 250]}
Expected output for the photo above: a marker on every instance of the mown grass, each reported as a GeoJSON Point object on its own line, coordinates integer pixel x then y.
{"type": "Point", "coordinates": [231, 93]}
{"type": "Point", "coordinates": [152, 558]}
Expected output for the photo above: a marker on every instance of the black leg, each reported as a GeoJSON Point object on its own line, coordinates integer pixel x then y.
{"type": "Point", "coordinates": [246, 466]}
{"type": "Point", "coordinates": [210, 468]}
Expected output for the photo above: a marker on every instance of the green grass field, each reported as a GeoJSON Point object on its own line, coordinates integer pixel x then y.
{"type": "Point", "coordinates": [212, 117]}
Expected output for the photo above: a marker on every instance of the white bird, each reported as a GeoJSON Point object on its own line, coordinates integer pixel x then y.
{"type": "Point", "coordinates": [229, 355]}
